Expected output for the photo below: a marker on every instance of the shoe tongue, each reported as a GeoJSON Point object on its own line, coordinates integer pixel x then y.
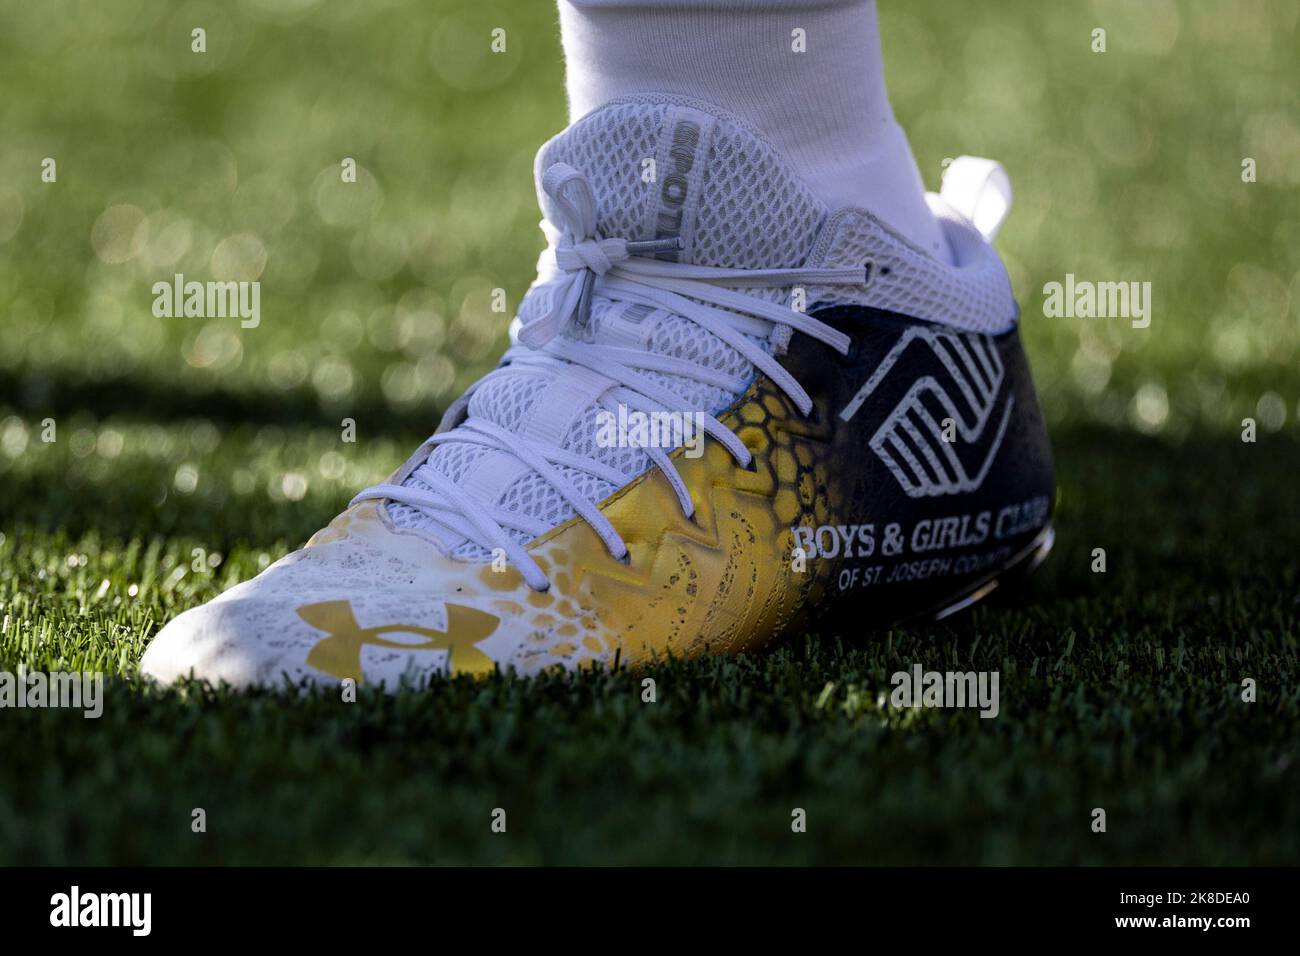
{"type": "Point", "coordinates": [658, 167]}
{"type": "Point", "coordinates": [664, 166]}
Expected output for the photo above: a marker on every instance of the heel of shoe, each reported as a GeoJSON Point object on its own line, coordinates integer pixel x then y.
{"type": "Point", "coordinates": [1020, 567]}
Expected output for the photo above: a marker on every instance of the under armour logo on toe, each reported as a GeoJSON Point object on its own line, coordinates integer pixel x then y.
{"type": "Point", "coordinates": [339, 653]}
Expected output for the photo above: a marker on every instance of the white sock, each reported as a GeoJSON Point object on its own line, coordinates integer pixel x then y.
{"type": "Point", "coordinates": [826, 109]}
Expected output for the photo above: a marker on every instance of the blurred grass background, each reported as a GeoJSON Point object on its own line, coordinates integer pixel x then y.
{"type": "Point", "coordinates": [177, 434]}
{"type": "Point", "coordinates": [1127, 165]}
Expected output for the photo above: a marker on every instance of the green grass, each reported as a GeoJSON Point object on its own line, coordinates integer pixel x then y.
{"type": "Point", "coordinates": [1119, 690]}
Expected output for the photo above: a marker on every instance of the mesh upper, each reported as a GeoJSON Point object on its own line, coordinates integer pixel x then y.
{"type": "Point", "coordinates": [746, 210]}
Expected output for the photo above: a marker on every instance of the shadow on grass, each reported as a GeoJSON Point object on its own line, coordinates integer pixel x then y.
{"type": "Point", "coordinates": [36, 395]}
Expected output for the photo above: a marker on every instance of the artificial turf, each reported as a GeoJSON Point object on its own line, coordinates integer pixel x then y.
{"type": "Point", "coordinates": [178, 446]}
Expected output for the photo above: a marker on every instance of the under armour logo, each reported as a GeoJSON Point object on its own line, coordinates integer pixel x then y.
{"type": "Point", "coordinates": [339, 653]}
{"type": "Point", "coordinates": [910, 441]}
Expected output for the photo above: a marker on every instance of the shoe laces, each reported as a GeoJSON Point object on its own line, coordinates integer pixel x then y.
{"type": "Point", "coordinates": [615, 268]}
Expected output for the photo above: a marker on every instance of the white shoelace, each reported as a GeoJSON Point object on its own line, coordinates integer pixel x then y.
{"type": "Point", "coordinates": [614, 268]}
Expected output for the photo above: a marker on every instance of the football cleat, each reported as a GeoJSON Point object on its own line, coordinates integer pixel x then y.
{"type": "Point", "coordinates": [727, 414]}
